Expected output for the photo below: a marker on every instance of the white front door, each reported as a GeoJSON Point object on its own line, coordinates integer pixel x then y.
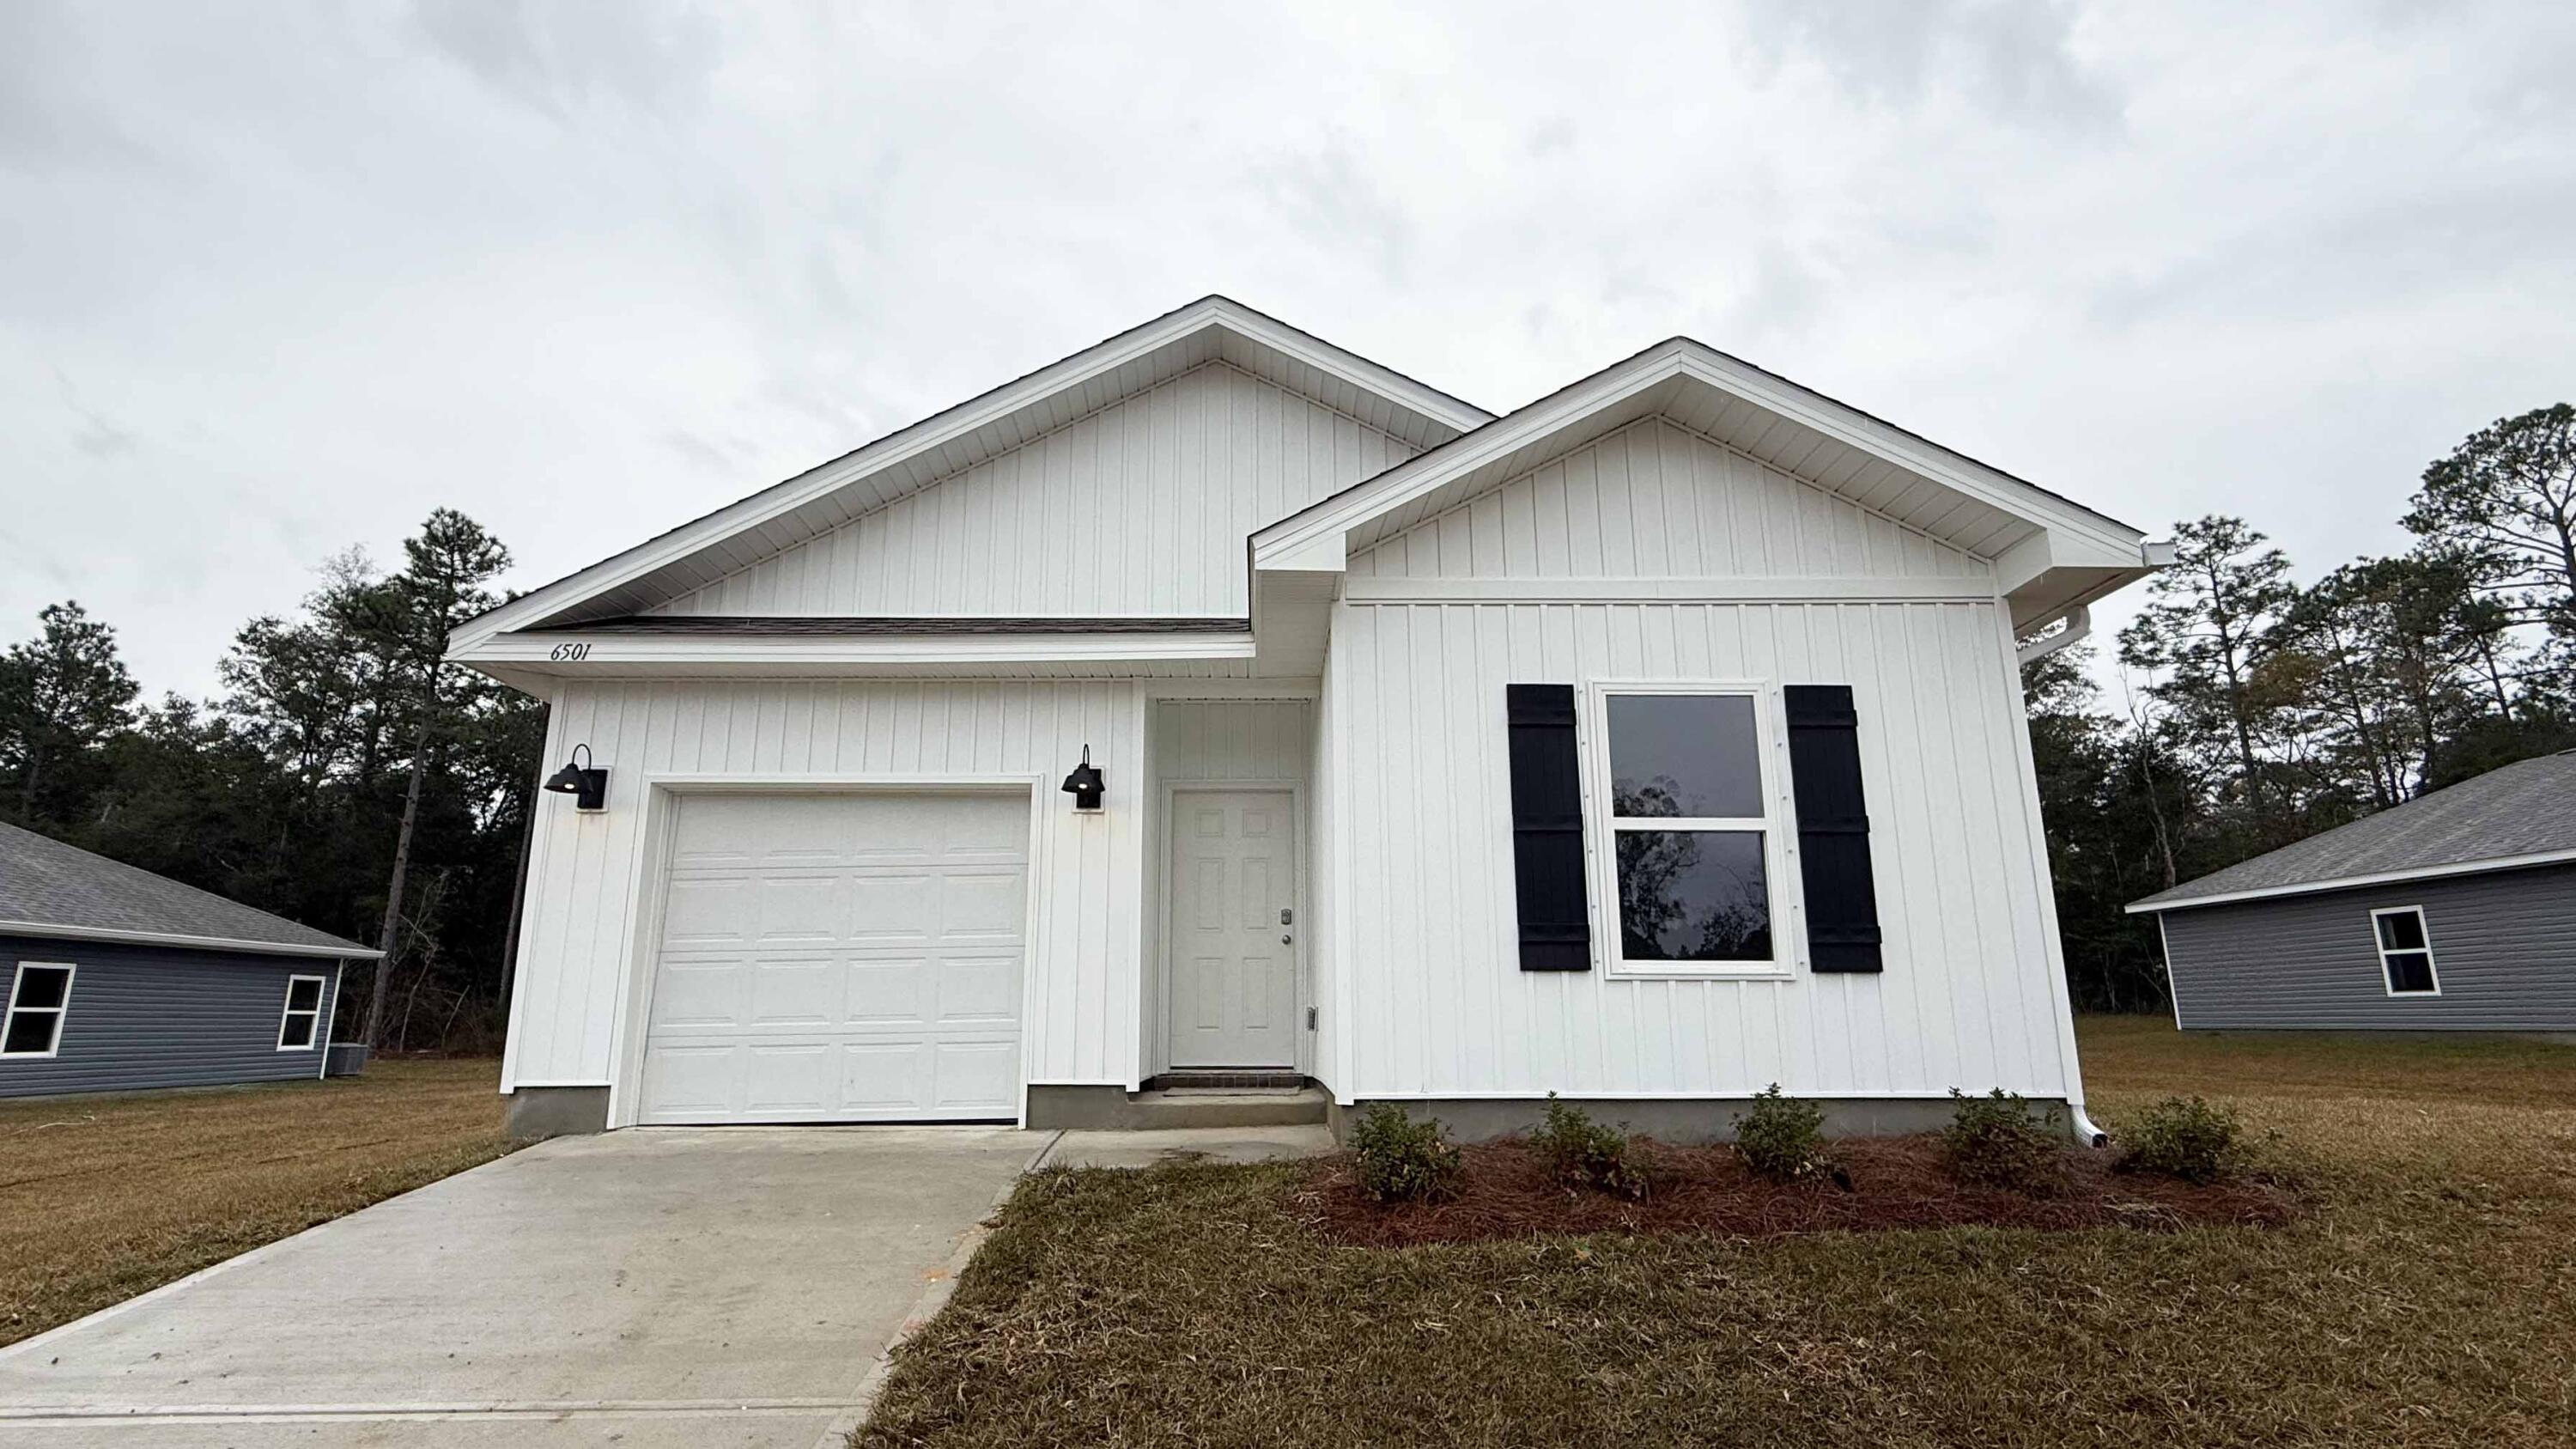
{"type": "Point", "coordinates": [1232, 958]}
{"type": "Point", "coordinates": [839, 957]}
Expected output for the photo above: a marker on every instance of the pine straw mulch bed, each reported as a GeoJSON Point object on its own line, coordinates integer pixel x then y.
{"type": "Point", "coordinates": [1504, 1191]}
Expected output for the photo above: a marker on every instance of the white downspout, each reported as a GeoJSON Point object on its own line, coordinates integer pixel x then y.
{"type": "Point", "coordinates": [2079, 624]}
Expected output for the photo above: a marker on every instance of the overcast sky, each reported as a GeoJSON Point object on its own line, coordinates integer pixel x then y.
{"type": "Point", "coordinates": [276, 279]}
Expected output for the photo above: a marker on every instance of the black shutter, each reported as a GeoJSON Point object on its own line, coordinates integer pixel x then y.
{"type": "Point", "coordinates": [1547, 829]}
{"type": "Point", "coordinates": [1833, 828]}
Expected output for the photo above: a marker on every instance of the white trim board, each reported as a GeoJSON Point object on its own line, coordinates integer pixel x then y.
{"type": "Point", "coordinates": [200, 943]}
{"type": "Point", "coordinates": [1748, 589]}
{"type": "Point", "coordinates": [2352, 882]}
{"type": "Point", "coordinates": [1683, 359]}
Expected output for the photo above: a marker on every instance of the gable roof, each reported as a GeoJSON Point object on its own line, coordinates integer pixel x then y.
{"type": "Point", "coordinates": [48, 888]}
{"type": "Point", "coordinates": [914, 458]}
{"type": "Point", "coordinates": [1875, 464]}
{"type": "Point", "coordinates": [2518, 815]}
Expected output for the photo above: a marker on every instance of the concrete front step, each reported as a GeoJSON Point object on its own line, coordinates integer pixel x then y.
{"type": "Point", "coordinates": [1212, 1107]}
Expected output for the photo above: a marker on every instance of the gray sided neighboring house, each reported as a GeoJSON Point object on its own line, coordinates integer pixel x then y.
{"type": "Point", "coordinates": [116, 979]}
{"type": "Point", "coordinates": [2452, 912]}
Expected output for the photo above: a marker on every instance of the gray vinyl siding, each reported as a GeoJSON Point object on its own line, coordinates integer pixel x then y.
{"type": "Point", "coordinates": [148, 1016]}
{"type": "Point", "coordinates": [2504, 954]}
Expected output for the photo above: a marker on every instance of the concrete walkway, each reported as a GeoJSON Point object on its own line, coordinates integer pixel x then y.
{"type": "Point", "coordinates": [730, 1289]}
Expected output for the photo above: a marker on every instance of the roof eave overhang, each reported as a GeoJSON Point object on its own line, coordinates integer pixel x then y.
{"type": "Point", "coordinates": [349, 952]}
{"type": "Point", "coordinates": [537, 663]}
{"type": "Point", "coordinates": [2356, 882]}
{"type": "Point", "coordinates": [2069, 555]}
{"type": "Point", "coordinates": [945, 429]}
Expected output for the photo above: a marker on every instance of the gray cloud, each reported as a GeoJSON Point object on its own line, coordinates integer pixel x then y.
{"type": "Point", "coordinates": [318, 269]}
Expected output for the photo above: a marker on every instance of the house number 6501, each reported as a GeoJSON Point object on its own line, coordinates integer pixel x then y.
{"type": "Point", "coordinates": [571, 651]}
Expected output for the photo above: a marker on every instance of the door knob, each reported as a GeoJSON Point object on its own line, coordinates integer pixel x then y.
{"type": "Point", "coordinates": [1283, 938]}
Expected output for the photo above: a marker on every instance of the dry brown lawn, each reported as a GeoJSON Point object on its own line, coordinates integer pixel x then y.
{"type": "Point", "coordinates": [2425, 1296]}
{"type": "Point", "coordinates": [104, 1197]}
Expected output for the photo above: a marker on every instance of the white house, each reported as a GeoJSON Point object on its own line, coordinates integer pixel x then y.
{"type": "Point", "coordinates": [1649, 744]}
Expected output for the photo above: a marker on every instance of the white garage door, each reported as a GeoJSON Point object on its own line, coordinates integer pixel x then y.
{"type": "Point", "coordinates": [840, 958]}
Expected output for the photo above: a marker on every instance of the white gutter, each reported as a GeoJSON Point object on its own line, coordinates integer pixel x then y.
{"type": "Point", "coordinates": [2079, 624]}
{"type": "Point", "coordinates": [198, 943]}
{"type": "Point", "coordinates": [2349, 882]}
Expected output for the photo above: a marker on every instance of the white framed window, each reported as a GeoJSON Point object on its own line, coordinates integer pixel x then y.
{"type": "Point", "coordinates": [40, 996]}
{"type": "Point", "coordinates": [302, 1025]}
{"type": "Point", "coordinates": [1690, 827]}
{"type": "Point", "coordinates": [2405, 951]}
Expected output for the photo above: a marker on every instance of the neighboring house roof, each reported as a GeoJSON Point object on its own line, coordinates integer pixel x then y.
{"type": "Point", "coordinates": [2523, 814]}
{"type": "Point", "coordinates": [948, 443]}
{"type": "Point", "coordinates": [918, 625]}
{"type": "Point", "coordinates": [48, 888]}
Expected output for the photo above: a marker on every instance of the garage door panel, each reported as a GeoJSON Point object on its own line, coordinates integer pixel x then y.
{"type": "Point", "coordinates": [982, 903]}
{"type": "Point", "coordinates": [891, 908]}
{"type": "Point", "coordinates": [704, 991]}
{"type": "Point", "coordinates": [690, 1083]}
{"type": "Point", "coordinates": [796, 992]}
{"type": "Point", "coordinates": [707, 911]}
{"type": "Point", "coordinates": [840, 957]}
{"type": "Point", "coordinates": [886, 1077]}
{"type": "Point", "coordinates": [980, 1078]}
{"type": "Point", "coordinates": [885, 993]}
{"type": "Point", "coordinates": [978, 990]}
{"type": "Point", "coordinates": [801, 906]}
{"type": "Point", "coordinates": [789, 1079]}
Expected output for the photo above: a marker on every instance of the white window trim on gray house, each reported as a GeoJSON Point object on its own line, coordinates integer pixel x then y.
{"type": "Point", "coordinates": [61, 1011]}
{"type": "Point", "coordinates": [311, 1016]}
{"type": "Point", "coordinates": [2424, 931]}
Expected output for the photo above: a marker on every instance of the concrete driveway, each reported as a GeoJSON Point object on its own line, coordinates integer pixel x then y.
{"type": "Point", "coordinates": [720, 1288]}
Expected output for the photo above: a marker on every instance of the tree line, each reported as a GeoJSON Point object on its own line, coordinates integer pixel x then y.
{"type": "Point", "coordinates": [2256, 710]}
{"type": "Point", "coordinates": [343, 776]}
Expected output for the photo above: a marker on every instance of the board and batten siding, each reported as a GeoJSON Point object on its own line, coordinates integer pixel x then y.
{"type": "Point", "coordinates": [1434, 1004]}
{"type": "Point", "coordinates": [1654, 500]}
{"type": "Point", "coordinates": [588, 893]}
{"type": "Point", "coordinates": [144, 1017]}
{"type": "Point", "coordinates": [2504, 954]}
{"type": "Point", "coordinates": [1218, 742]}
{"type": "Point", "coordinates": [1141, 508]}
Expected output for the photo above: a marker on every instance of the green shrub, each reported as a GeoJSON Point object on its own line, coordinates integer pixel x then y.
{"type": "Point", "coordinates": [2182, 1137]}
{"type": "Point", "coordinates": [1583, 1153]}
{"type": "Point", "coordinates": [1996, 1141]}
{"type": "Point", "coordinates": [1401, 1159]}
{"type": "Point", "coordinates": [1782, 1137]}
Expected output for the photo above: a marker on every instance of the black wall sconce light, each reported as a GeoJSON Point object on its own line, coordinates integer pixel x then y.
{"type": "Point", "coordinates": [1085, 784]}
{"type": "Point", "coordinates": [587, 786]}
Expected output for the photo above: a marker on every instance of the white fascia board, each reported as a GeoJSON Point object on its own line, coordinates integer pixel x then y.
{"type": "Point", "coordinates": [944, 428]}
{"type": "Point", "coordinates": [1337, 515]}
{"type": "Point", "coordinates": [194, 943]}
{"type": "Point", "coordinates": [2114, 542]}
{"type": "Point", "coordinates": [2350, 882]}
{"type": "Point", "coordinates": [610, 650]}
{"type": "Point", "coordinates": [1350, 367]}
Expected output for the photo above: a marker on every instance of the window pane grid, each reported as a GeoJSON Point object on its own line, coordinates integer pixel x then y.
{"type": "Point", "coordinates": [1688, 893]}
{"type": "Point", "coordinates": [39, 998]}
{"type": "Point", "coordinates": [2405, 952]}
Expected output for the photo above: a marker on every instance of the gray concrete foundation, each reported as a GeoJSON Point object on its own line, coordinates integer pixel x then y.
{"type": "Point", "coordinates": [557, 1111]}
{"type": "Point", "coordinates": [1695, 1119]}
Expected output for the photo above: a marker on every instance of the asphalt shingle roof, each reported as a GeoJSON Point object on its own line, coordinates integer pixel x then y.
{"type": "Point", "coordinates": [44, 882]}
{"type": "Point", "coordinates": [2525, 808]}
